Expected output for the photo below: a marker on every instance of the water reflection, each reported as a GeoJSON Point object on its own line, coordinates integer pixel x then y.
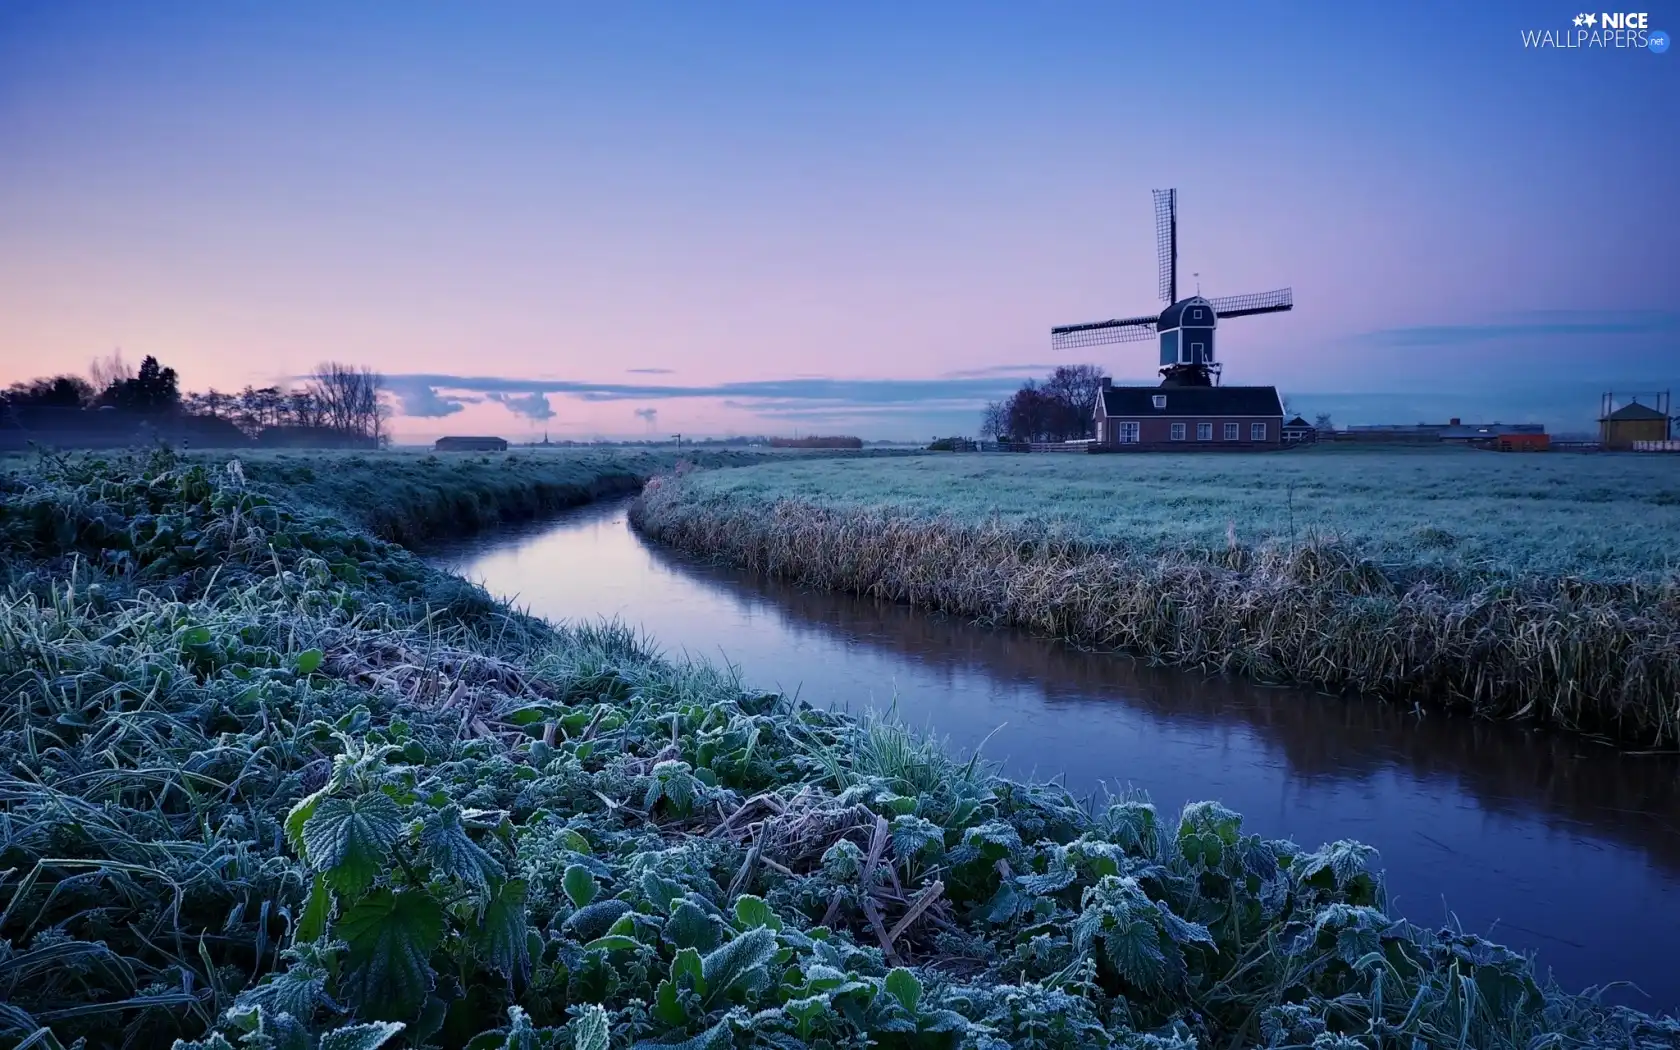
{"type": "Point", "coordinates": [1554, 843]}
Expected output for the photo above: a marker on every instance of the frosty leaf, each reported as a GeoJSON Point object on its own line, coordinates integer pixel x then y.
{"type": "Point", "coordinates": [912, 835]}
{"type": "Point", "coordinates": [579, 885]}
{"type": "Point", "coordinates": [740, 962]}
{"type": "Point", "coordinates": [591, 921]}
{"type": "Point", "coordinates": [1134, 950]}
{"type": "Point", "coordinates": [361, 1036]}
{"type": "Point", "coordinates": [350, 839]}
{"type": "Point", "coordinates": [445, 844]}
{"type": "Point", "coordinates": [690, 927]}
{"type": "Point", "coordinates": [317, 910]}
{"type": "Point", "coordinates": [660, 890]}
{"type": "Point", "coordinates": [501, 933]}
{"type": "Point", "coordinates": [689, 967]}
{"type": "Point", "coordinates": [1134, 827]}
{"type": "Point", "coordinates": [713, 1038]}
{"type": "Point", "coordinates": [1183, 931]}
{"type": "Point", "coordinates": [391, 937]}
{"type": "Point", "coordinates": [902, 985]}
{"type": "Point", "coordinates": [298, 815]}
{"type": "Point", "coordinates": [1210, 818]}
{"type": "Point", "coordinates": [591, 1030]}
{"type": "Point", "coordinates": [751, 912]}
{"type": "Point", "coordinates": [1048, 883]}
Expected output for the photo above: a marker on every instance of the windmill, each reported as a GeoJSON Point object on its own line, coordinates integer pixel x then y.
{"type": "Point", "coordinates": [1185, 328]}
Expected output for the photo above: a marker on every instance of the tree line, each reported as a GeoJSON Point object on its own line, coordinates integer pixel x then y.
{"type": "Point", "coordinates": [335, 399]}
{"type": "Point", "coordinates": [1061, 408]}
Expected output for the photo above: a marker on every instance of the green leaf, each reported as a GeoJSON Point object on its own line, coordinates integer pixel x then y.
{"type": "Point", "coordinates": [350, 839]}
{"type": "Point", "coordinates": [361, 1036]}
{"type": "Point", "coordinates": [690, 927]}
{"type": "Point", "coordinates": [579, 885]}
{"type": "Point", "coordinates": [902, 985]}
{"type": "Point", "coordinates": [660, 890]}
{"type": "Point", "coordinates": [501, 935]}
{"type": "Point", "coordinates": [298, 816]}
{"type": "Point", "coordinates": [591, 1030]}
{"type": "Point", "coordinates": [690, 967]}
{"type": "Point", "coordinates": [391, 937]}
{"type": "Point", "coordinates": [740, 963]}
{"type": "Point", "coordinates": [614, 942]}
{"type": "Point", "coordinates": [529, 715]}
{"type": "Point", "coordinates": [196, 636]}
{"type": "Point", "coordinates": [668, 1007]}
{"type": "Point", "coordinates": [308, 661]}
{"type": "Point", "coordinates": [445, 844]}
{"type": "Point", "coordinates": [752, 912]}
{"type": "Point", "coordinates": [317, 910]}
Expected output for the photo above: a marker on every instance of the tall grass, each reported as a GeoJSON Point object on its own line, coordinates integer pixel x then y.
{"type": "Point", "coordinates": [271, 782]}
{"type": "Point", "coordinates": [1595, 649]}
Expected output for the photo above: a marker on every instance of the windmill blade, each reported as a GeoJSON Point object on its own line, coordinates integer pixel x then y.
{"type": "Point", "coordinates": [1260, 303]}
{"type": "Point", "coordinates": [1166, 243]}
{"type": "Point", "coordinates": [1102, 333]}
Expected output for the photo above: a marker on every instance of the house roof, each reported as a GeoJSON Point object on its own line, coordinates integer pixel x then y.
{"type": "Point", "coordinates": [1634, 411]}
{"type": "Point", "coordinates": [1194, 311]}
{"type": "Point", "coordinates": [1297, 422]}
{"type": "Point", "coordinates": [1192, 401]}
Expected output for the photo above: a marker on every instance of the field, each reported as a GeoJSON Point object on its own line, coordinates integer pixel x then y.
{"type": "Point", "coordinates": [270, 781]}
{"type": "Point", "coordinates": [1542, 585]}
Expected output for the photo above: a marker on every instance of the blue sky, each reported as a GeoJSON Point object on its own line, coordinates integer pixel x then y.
{"type": "Point", "coordinates": [757, 217]}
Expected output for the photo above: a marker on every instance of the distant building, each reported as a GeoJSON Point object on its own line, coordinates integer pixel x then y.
{"type": "Point", "coordinates": [1298, 431]}
{"type": "Point", "coordinates": [470, 444]}
{"type": "Point", "coordinates": [1188, 418]}
{"type": "Point", "coordinates": [1630, 423]}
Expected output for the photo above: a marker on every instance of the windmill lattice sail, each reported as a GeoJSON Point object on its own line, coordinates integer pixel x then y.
{"type": "Point", "coordinates": [1102, 333]}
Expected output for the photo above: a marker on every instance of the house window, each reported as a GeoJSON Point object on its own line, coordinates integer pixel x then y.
{"type": "Point", "coordinates": [1102, 430]}
{"type": "Point", "coordinates": [1159, 401]}
{"type": "Point", "coordinates": [1178, 431]}
{"type": "Point", "coordinates": [1257, 432]}
{"type": "Point", "coordinates": [1230, 432]}
{"type": "Point", "coordinates": [1204, 431]}
{"type": "Point", "coordinates": [1128, 433]}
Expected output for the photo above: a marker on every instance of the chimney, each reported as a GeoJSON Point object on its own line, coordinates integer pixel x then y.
{"type": "Point", "coordinates": [1108, 383]}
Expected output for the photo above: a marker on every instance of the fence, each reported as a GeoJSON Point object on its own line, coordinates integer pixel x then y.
{"type": "Point", "coordinates": [1656, 446]}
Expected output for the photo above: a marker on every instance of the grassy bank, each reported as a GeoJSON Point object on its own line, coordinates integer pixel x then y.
{"type": "Point", "coordinates": [411, 497]}
{"type": "Point", "coordinates": [267, 777]}
{"type": "Point", "coordinates": [1541, 586]}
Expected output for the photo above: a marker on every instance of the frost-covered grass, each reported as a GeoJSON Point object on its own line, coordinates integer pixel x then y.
{"type": "Point", "coordinates": [269, 782]}
{"type": "Point", "coordinates": [1603, 516]}
{"type": "Point", "coordinates": [1508, 585]}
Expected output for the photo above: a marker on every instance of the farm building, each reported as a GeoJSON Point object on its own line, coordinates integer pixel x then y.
{"type": "Point", "coordinates": [470, 444]}
{"type": "Point", "coordinates": [1298, 431]}
{"type": "Point", "coordinates": [1203, 418]}
{"type": "Point", "coordinates": [1630, 423]}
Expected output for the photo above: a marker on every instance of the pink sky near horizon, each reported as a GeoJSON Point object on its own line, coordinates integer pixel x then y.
{"type": "Point", "coordinates": [244, 199]}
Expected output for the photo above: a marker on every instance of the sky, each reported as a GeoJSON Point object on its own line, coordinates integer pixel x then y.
{"type": "Point", "coordinates": [739, 218]}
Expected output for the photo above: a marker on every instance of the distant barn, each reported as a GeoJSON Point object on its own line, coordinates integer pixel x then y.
{"type": "Point", "coordinates": [470, 444]}
{"type": "Point", "coordinates": [1631, 423]}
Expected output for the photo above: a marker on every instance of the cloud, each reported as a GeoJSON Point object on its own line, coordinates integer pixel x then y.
{"type": "Point", "coordinates": [1539, 324]}
{"type": "Point", "coordinates": [647, 414]}
{"type": "Point", "coordinates": [424, 402]}
{"type": "Point", "coordinates": [1014, 371]}
{"type": "Point", "coordinates": [649, 371]}
{"type": "Point", "coordinates": [532, 406]}
{"type": "Point", "coordinates": [816, 388]}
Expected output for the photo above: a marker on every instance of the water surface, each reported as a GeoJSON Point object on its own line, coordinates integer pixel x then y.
{"type": "Point", "coordinates": [1545, 842]}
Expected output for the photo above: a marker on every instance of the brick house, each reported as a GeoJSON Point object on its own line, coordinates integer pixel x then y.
{"type": "Point", "coordinates": [1188, 418]}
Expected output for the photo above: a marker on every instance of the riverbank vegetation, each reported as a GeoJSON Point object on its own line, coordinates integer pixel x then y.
{"type": "Point", "coordinates": [1540, 586]}
{"type": "Point", "coordinates": [270, 781]}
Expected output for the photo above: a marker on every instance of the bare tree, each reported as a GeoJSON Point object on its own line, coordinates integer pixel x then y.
{"type": "Point", "coordinates": [994, 419]}
{"type": "Point", "coordinates": [1323, 422]}
{"type": "Point", "coordinates": [350, 399]}
{"type": "Point", "coordinates": [109, 370]}
{"type": "Point", "coordinates": [1075, 388]}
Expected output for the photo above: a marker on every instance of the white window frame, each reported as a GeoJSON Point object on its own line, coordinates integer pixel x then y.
{"type": "Point", "coordinates": [1131, 432]}
{"type": "Point", "coordinates": [1204, 431]}
{"type": "Point", "coordinates": [1232, 430]}
{"type": "Point", "coordinates": [1178, 431]}
{"type": "Point", "coordinates": [1159, 400]}
{"type": "Point", "coordinates": [1257, 432]}
{"type": "Point", "coordinates": [1198, 351]}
